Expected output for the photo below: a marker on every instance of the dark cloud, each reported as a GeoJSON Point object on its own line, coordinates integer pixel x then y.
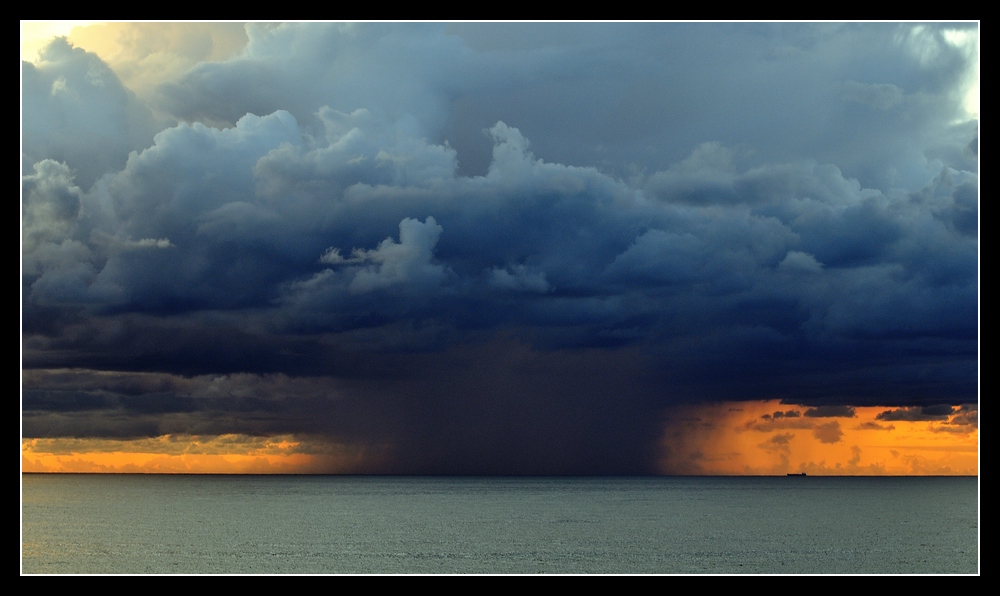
{"type": "Point", "coordinates": [967, 415]}
{"type": "Point", "coordinates": [778, 443]}
{"type": "Point", "coordinates": [496, 408]}
{"type": "Point", "coordinates": [938, 412]}
{"type": "Point", "coordinates": [828, 432]}
{"type": "Point", "coordinates": [538, 315]}
{"type": "Point", "coordinates": [780, 414]}
{"type": "Point", "coordinates": [830, 412]}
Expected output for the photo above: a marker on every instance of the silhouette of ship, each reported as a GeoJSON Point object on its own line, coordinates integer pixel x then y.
{"type": "Point", "coordinates": [799, 474]}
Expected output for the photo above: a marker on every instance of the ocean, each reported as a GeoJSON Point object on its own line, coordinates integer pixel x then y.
{"type": "Point", "coordinates": [188, 524]}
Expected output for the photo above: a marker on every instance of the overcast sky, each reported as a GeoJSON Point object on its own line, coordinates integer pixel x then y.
{"type": "Point", "coordinates": [494, 248]}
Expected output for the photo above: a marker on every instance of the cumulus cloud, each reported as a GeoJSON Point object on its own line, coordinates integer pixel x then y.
{"type": "Point", "coordinates": [407, 74]}
{"type": "Point", "coordinates": [251, 215]}
{"type": "Point", "coordinates": [403, 263]}
{"type": "Point", "coordinates": [50, 204]}
{"type": "Point", "coordinates": [779, 443]}
{"type": "Point", "coordinates": [76, 111]}
{"type": "Point", "coordinates": [800, 262]}
{"type": "Point", "coordinates": [580, 231]}
{"type": "Point", "coordinates": [828, 432]}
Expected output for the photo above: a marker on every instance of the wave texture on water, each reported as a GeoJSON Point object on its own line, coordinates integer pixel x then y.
{"type": "Point", "coordinates": [371, 524]}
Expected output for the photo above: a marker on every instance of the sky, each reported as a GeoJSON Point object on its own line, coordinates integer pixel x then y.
{"type": "Point", "coordinates": [507, 248]}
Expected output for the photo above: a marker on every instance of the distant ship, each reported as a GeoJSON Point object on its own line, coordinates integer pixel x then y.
{"type": "Point", "coordinates": [799, 474]}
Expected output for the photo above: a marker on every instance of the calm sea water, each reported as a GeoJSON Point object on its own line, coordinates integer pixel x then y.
{"type": "Point", "coordinates": [352, 524]}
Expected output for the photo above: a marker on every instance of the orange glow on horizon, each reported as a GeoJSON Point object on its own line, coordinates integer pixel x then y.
{"type": "Point", "coordinates": [729, 438]}
{"type": "Point", "coordinates": [225, 454]}
{"type": "Point", "coordinates": [769, 437]}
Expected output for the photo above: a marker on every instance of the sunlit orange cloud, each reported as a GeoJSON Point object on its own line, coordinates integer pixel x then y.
{"type": "Point", "coordinates": [769, 437]}
{"type": "Point", "coordinates": [172, 454]}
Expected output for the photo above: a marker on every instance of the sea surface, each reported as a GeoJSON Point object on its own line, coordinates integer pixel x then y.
{"type": "Point", "coordinates": [81, 523]}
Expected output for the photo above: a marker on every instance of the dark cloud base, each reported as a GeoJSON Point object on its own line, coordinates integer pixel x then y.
{"type": "Point", "coordinates": [499, 407]}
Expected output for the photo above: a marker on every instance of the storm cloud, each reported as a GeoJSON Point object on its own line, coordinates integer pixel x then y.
{"type": "Point", "coordinates": [501, 248]}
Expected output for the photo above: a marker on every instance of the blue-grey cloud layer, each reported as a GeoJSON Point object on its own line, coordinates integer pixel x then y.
{"type": "Point", "coordinates": [666, 213]}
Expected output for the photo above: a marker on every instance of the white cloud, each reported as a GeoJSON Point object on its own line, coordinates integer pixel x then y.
{"type": "Point", "coordinates": [799, 262]}
{"type": "Point", "coordinates": [404, 263]}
